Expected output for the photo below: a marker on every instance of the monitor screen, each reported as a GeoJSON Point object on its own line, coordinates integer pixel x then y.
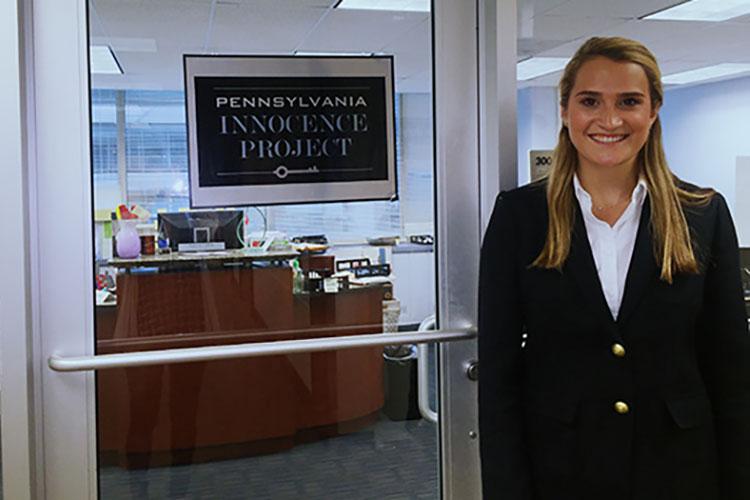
{"type": "Point", "coordinates": [202, 230]}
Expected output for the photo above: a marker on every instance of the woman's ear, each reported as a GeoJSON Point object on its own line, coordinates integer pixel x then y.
{"type": "Point", "coordinates": [654, 113]}
{"type": "Point", "coordinates": [564, 116]}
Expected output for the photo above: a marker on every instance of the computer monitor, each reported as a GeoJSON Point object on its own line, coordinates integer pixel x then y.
{"type": "Point", "coordinates": [202, 230]}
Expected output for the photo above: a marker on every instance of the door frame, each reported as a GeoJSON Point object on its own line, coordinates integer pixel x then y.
{"type": "Point", "coordinates": [17, 398]}
{"type": "Point", "coordinates": [49, 422]}
{"type": "Point", "coordinates": [477, 121]}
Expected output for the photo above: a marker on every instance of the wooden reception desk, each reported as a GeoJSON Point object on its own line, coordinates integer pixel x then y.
{"type": "Point", "coordinates": [201, 411]}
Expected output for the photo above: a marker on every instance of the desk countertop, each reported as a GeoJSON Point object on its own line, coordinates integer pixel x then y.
{"type": "Point", "coordinates": [181, 258]}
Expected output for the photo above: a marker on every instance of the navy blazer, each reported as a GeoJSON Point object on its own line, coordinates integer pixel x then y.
{"type": "Point", "coordinates": [574, 405]}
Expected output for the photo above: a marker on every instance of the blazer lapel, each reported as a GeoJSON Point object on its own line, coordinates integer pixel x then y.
{"type": "Point", "coordinates": [643, 268]}
{"type": "Point", "coordinates": [580, 265]}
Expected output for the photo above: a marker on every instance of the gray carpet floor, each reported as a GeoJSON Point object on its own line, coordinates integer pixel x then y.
{"type": "Point", "coordinates": [387, 461]}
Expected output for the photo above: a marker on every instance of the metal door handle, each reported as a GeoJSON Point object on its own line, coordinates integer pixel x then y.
{"type": "Point", "coordinates": [183, 355]}
{"type": "Point", "coordinates": [423, 372]}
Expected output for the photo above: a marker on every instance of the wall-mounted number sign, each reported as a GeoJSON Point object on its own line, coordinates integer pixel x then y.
{"type": "Point", "coordinates": [271, 130]}
{"type": "Point", "coordinates": [540, 161]}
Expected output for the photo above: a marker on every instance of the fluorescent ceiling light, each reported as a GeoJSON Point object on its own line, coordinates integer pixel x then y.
{"type": "Point", "coordinates": [331, 54]}
{"type": "Point", "coordinates": [703, 10]}
{"type": "Point", "coordinates": [706, 73]}
{"type": "Point", "coordinates": [102, 60]}
{"type": "Point", "coordinates": [538, 66]}
{"type": "Point", "coordinates": [399, 5]}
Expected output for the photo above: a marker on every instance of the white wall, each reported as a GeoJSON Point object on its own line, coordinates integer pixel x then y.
{"type": "Point", "coordinates": [538, 125]}
{"type": "Point", "coordinates": [705, 129]}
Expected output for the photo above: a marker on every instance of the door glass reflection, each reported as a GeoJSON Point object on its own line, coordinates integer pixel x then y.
{"type": "Point", "coordinates": [336, 424]}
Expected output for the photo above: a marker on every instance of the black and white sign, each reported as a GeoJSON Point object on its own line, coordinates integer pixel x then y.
{"type": "Point", "coordinates": [269, 130]}
{"type": "Point", "coordinates": [540, 163]}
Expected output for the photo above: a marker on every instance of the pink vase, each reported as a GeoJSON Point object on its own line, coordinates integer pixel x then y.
{"type": "Point", "coordinates": [128, 241]}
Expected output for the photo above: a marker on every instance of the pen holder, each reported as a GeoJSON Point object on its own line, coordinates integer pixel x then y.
{"type": "Point", "coordinates": [128, 241]}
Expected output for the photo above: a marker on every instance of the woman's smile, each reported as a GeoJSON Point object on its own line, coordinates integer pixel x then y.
{"type": "Point", "coordinates": [609, 114]}
{"type": "Point", "coordinates": [608, 138]}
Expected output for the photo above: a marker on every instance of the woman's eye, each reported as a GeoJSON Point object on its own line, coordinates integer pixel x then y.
{"type": "Point", "coordinates": [631, 101]}
{"type": "Point", "coordinates": [588, 101]}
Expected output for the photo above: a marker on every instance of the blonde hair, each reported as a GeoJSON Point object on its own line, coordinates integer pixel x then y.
{"type": "Point", "coordinates": [673, 247]}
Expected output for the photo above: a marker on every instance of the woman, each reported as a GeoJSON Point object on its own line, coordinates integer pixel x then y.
{"type": "Point", "coordinates": [613, 340]}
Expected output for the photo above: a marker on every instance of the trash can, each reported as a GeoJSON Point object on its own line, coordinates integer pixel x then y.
{"type": "Point", "coordinates": [400, 383]}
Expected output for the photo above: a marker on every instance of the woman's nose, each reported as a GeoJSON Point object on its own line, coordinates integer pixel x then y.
{"type": "Point", "coordinates": [611, 117]}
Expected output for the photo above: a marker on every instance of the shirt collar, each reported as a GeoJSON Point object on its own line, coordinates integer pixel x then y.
{"type": "Point", "coordinates": [636, 197]}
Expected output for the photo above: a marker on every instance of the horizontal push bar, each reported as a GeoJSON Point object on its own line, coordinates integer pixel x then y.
{"type": "Point", "coordinates": [250, 350]}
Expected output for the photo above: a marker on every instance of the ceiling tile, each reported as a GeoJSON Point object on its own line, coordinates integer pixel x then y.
{"type": "Point", "coordinates": [564, 28]}
{"type": "Point", "coordinates": [529, 8]}
{"type": "Point", "coordinates": [611, 8]}
{"type": "Point", "coordinates": [361, 31]}
{"type": "Point", "coordinates": [255, 29]}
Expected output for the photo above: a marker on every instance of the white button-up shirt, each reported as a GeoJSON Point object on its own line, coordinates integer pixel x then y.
{"type": "Point", "coordinates": [612, 246]}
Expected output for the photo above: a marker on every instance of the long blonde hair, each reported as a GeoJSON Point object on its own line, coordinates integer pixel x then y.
{"type": "Point", "coordinates": [673, 247]}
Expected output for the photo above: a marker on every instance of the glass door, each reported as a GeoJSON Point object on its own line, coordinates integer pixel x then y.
{"type": "Point", "coordinates": [252, 351]}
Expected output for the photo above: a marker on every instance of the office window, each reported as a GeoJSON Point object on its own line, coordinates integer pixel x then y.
{"type": "Point", "coordinates": [156, 149]}
{"type": "Point", "coordinates": [156, 166]}
{"type": "Point", "coordinates": [104, 148]}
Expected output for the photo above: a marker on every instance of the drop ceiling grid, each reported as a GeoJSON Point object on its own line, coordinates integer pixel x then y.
{"type": "Point", "coordinates": [630, 9]}
{"type": "Point", "coordinates": [170, 22]}
{"type": "Point", "coordinates": [249, 29]}
{"type": "Point", "coordinates": [548, 28]}
{"type": "Point", "coordinates": [355, 31]}
{"type": "Point", "coordinates": [565, 28]}
{"type": "Point", "coordinates": [412, 54]}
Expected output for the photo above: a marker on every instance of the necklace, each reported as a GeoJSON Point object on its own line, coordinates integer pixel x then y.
{"type": "Point", "coordinates": [608, 206]}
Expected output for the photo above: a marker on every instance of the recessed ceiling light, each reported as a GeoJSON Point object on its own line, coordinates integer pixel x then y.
{"type": "Point", "coordinates": [125, 44]}
{"type": "Point", "coordinates": [402, 5]}
{"type": "Point", "coordinates": [102, 60]}
{"type": "Point", "coordinates": [706, 73]}
{"type": "Point", "coordinates": [538, 66]}
{"type": "Point", "coordinates": [332, 54]}
{"type": "Point", "coordinates": [703, 10]}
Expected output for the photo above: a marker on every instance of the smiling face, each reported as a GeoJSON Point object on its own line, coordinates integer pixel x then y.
{"type": "Point", "coordinates": [609, 113]}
